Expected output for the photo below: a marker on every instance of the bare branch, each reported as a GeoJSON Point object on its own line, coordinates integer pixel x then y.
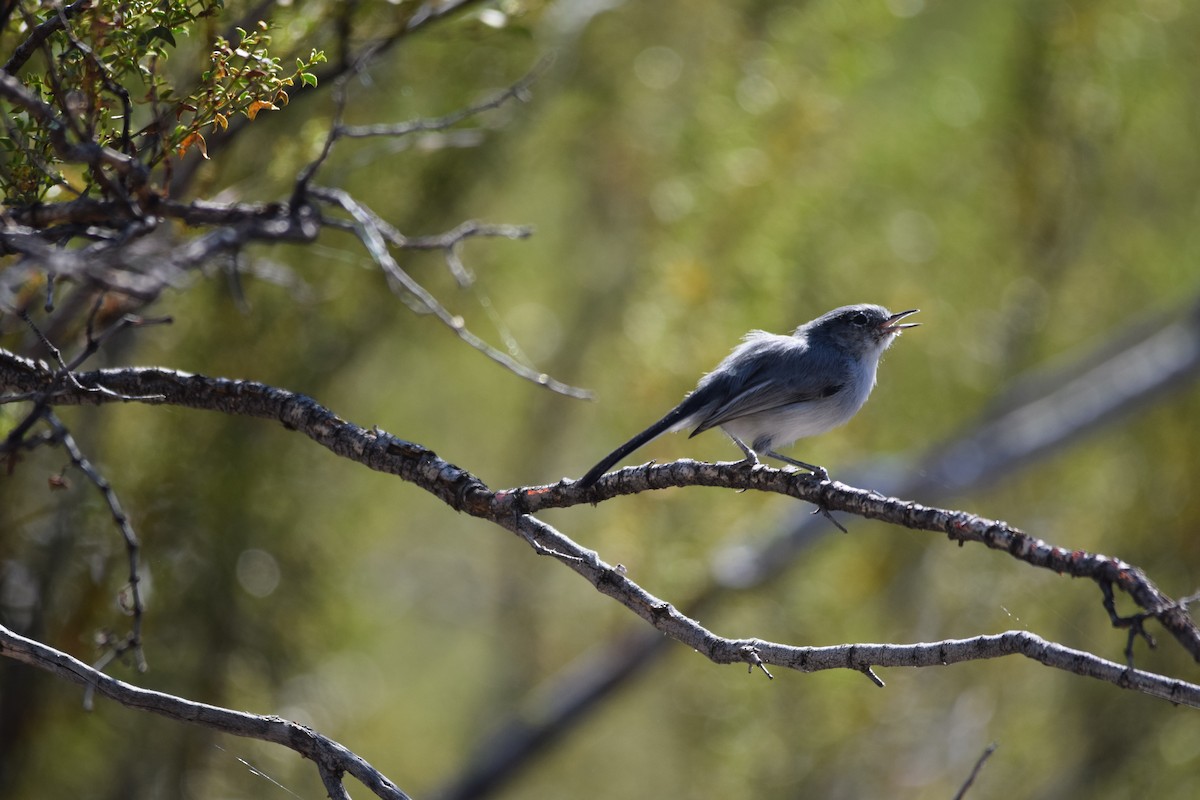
{"type": "Point", "coordinates": [511, 509]}
{"type": "Point", "coordinates": [330, 757]}
{"type": "Point", "coordinates": [132, 544]}
{"type": "Point", "coordinates": [958, 526]}
{"type": "Point", "coordinates": [332, 778]}
{"type": "Point", "coordinates": [861, 657]}
{"type": "Point", "coordinates": [448, 242]}
{"type": "Point", "coordinates": [113, 266]}
{"type": "Point", "coordinates": [160, 262]}
{"type": "Point", "coordinates": [434, 10]}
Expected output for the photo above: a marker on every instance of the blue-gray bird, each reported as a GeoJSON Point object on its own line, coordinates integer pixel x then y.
{"type": "Point", "coordinates": [773, 389]}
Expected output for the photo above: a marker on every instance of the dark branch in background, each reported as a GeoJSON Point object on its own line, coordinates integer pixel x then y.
{"type": "Point", "coordinates": [979, 762]}
{"type": "Point", "coordinates": [40, 33]}
{"type": "Point", "coordinates": [519, 91]}
{"type": "Point", "coordinates": [331, 758]}
{"type": "Point", "coordinates": [86, 152]}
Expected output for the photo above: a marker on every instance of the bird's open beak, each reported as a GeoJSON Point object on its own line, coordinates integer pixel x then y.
{"type": "Point", "coordinates": [892, 323]}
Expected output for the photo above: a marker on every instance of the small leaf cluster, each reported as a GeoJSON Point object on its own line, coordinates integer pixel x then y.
{"type": "Point", "coordinates": [244, 79]}
{"type": "Point", "coordinates": [104, 71]}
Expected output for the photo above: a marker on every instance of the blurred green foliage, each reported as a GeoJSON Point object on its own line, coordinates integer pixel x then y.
{"type": "Point", "coordinates": [1025, 172]}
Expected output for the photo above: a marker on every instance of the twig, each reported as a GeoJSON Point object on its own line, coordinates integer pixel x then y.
{"type": "Point", "coordinates": [95, 342]}
{"type": "Point", "coordinates": [121, 520]}
{"type": "Point", "coordinates": [1135, 623]}
{"type": "Point", "coordinates": [448, 242]}
{"type": "Point", "coordinates": [67, 371]}
{"type": "Point", "coordinates": [518, 91]}
{"type": "Point", "coordinates": [979, 762]}
{"type": "Point", "coordinates": [376, 245]}
{"type": "Point", "coordinates": [337, 130]}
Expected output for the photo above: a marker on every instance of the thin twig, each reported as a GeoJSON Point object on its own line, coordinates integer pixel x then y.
{"type": "Point", "coordinates": [337, 130]}
{"type": "Point", "coordinates": [979, 762]}
{"type": "Point", "coordinates": [376, 245]}
{"type": "Point", "coordinates": [132, 544]}
{"type": "Point", "coordinates": [518, 91]}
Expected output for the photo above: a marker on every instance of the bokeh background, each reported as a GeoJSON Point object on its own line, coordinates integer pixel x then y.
{"type": "Point", "coordinates": [1025, 172]}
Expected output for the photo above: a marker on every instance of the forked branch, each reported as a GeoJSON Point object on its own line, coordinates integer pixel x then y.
{"type": "Point", "coordinates": [512, 509]}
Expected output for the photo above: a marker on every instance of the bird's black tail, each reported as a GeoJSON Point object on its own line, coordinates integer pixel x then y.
{"type": "Point", "coordinates": [673, 416]}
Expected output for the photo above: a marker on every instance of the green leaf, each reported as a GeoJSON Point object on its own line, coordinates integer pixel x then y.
{"type": "Point", "coordinates": [159, 32]}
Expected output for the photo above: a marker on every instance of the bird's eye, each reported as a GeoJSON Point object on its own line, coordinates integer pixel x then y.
{"type": "Point", "coordinates": [860, 319]}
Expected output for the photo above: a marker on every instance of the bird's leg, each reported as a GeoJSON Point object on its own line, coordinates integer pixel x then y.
{"type": "Point", "coordinates": [751, 456]}
{"type": "Point", "coordinates": [819, 471]}
{"type": "Point", "coordinates": [751, 459]}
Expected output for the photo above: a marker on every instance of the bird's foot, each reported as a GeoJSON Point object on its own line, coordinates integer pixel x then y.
{"type": "Point", "coordinates": [815, 469]}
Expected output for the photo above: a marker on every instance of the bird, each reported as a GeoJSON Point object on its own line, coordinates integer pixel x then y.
{"type": "Point", "coordinates": [773, 389]}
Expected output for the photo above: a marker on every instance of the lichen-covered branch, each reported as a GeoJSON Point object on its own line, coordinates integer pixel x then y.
{"type": "Point", "coordinates": [513, 510]}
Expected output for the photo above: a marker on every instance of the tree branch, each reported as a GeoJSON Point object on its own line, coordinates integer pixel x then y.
{"type": "Point", "coordinates": [959, 526]}
{"type": "Point", "coordinates": [512, 509]}
{"type": "Point", "coordinates": [128, 261]}
{"type": "Point", "coordinates": [331, 758]}
{"type": "Point", "coordinates": [41, 33]}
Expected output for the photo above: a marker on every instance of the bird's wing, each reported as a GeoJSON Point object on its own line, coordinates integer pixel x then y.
{"type": "Point", "coordinates": [763, 374]}
{"type": "Point", "coordinates": [764, 396]}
